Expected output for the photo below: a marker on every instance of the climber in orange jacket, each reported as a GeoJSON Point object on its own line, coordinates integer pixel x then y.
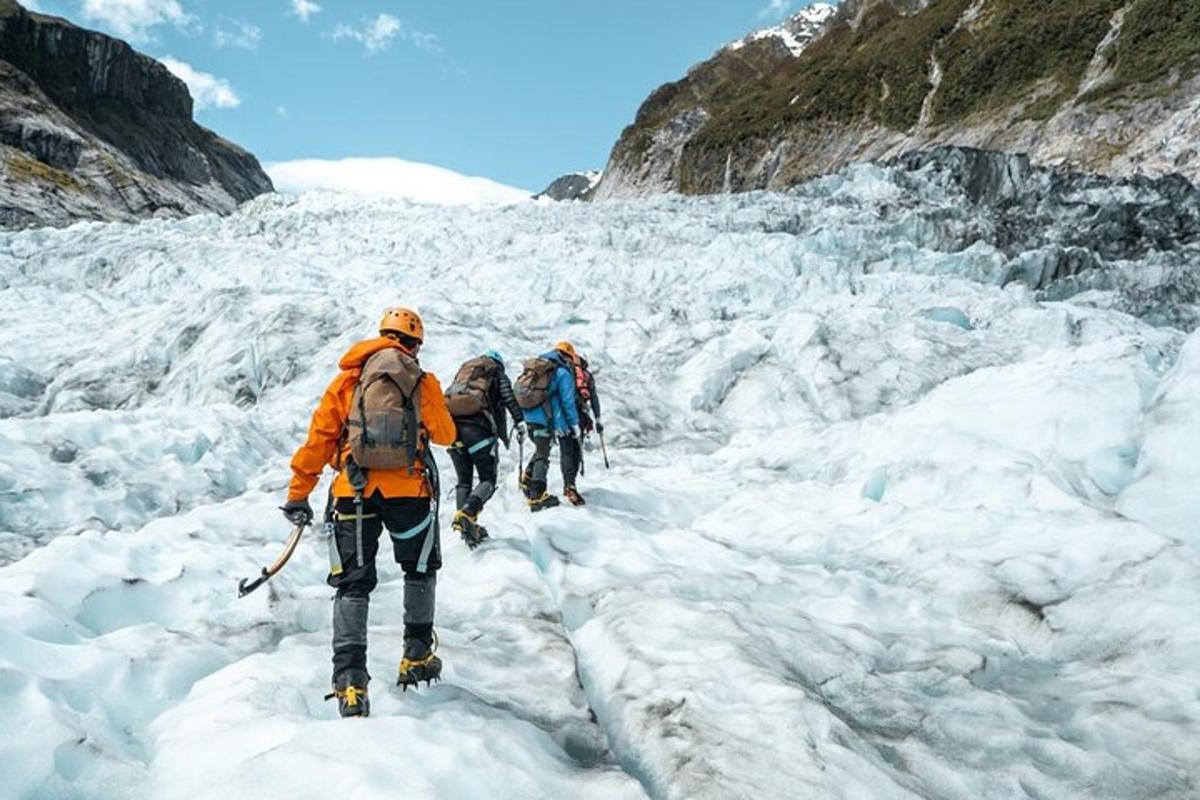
{"type": "Point", "coordinates": [374, 426]}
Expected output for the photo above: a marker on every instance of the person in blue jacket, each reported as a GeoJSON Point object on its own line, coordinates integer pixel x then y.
{"type": "Point", "coordinates": [543, 432]}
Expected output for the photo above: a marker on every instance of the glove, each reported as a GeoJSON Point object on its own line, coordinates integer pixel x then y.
{"type": "Point", "coordinates": [298, 512]}
{"type": "Point", "coordinates": [599, 427]}
{"type": "Point", "coordinates": [574, 432]}
{"type": "Point", "coordinates": [521, 431]}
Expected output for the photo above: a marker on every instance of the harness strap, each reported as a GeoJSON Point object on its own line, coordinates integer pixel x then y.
{"type": "Point", "coordinates": [481, 444]}
{"type": "Point", "coordinates": [413, 531]}
{"type": "Point", "coordinates": [330, 528]}
{"type": "Point", "coordinates": [435, 490]}
{"type": "Point", "coordinates": [358, 536]}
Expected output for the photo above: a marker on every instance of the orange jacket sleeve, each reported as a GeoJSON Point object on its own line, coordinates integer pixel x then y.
{"type": "Point", "coordinates": [324, 433]}
{"type": "Point", "coordinates": [434, 415]}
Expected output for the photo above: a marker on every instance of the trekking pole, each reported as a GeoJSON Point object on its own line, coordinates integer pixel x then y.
{"type": "Point", "coordinates": [246, 586]}
{"type": "Point", "coordinates": [603, 449]}
{"type": "Point", "coordinates": [520, 460]}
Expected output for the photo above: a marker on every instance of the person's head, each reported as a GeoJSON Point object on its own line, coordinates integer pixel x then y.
{"type": "Point", "coordinates": [405, 326]}
{"type": "Point", "coordinates": [494, 356]}
{"type": "Point", "coordinates": [567, 349]}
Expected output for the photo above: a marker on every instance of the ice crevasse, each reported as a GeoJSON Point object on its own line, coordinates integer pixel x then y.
{"type": "Point", "coordinates": [879, 523]}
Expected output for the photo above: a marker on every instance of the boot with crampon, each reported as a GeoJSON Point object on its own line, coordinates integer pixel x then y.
{"type": "Point", "coordinates": [418, 664]}
{"type": "Point", "coordinates": [471, 531]}
{"type": "Point", "coordinates": [546, 500]}
{"type": "Point", "coordinates": [573, 496]}
{"type": "Point", "coordinates": [350, 689]}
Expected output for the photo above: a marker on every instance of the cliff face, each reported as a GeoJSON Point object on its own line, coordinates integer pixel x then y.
{"type": "Point", "coordinates": [91, 129]}
{"type": "Point", "coordinates": [1108, 86]}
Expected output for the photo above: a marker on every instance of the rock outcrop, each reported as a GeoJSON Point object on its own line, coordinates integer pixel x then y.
{"type": "Point", "coordinates": [1109, 86]}
{"type": "Point", "coordinates": [572, 186]}
{"type": "Point", "coordinates": [91, 129]}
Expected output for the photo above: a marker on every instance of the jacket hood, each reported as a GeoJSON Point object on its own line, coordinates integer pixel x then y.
{"type": "Point", "coordinates": [357, 355]}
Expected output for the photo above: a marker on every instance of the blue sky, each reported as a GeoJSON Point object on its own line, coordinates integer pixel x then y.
{"type": "Point", "coordinates": [519, 91]}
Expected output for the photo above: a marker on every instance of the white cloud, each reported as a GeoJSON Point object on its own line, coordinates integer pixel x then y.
{"type": "Point", "coordinates": [240, 34]}
{"type": "Point", "coordinates": [208, 91]}
{"type": "Point", "coordinates": [304, 9]}
{"type": "Point", "coordinates": [776, 9]}
{"type": "Point", "coordinates": [425, 41]}
{"type": "Point", "coordinates": [133, 19]}
{"type": "Point", "coordinates": [390, 177]}
{"type": "Point", "coordinates": [31, 5]}
{"type": "Point", "coordinates": [375, 35]}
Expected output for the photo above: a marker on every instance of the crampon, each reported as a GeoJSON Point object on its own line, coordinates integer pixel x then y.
{"type": "Point", "coordinates": [547, 500]}
{"type": "Point", "coordinates": [418, 664]}
{"type": "Point", "coordinates": [473, 534]}
{"type": "Point", "coordinates": [350, 689]}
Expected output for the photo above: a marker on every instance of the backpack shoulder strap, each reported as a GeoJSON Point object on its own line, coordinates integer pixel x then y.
{"type": "Point", "coordinates": [419, 435]}
{"type": "Point", "coordinates": [344, 435]}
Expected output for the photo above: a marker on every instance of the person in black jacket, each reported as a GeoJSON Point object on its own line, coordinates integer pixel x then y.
{"type": "Point", "coordinates": [477, 449]}
{"type": "Point", "coordinates": [587, 400]}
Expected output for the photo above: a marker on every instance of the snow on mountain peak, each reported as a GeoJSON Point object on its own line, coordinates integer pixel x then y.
{"type": "Point", "coordinates": [796, 32]}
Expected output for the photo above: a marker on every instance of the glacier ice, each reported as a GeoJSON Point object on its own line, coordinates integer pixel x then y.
{"type": "Point", "coordinates": [849, 547]}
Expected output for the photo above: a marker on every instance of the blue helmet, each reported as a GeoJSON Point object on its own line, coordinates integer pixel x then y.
{"type": "Point", "coordinates": [492, 354]}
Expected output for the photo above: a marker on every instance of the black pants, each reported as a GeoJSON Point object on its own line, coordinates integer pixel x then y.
{"type": "Point", "coordinates": [570, 459]}
{"type": "Point", "coordinates": [570, 455]}
{"type": "Point", "coordinates": [477, 451]}
{"type": "Point", "coordinates": [539, 465]}
{"type": "Point", "coordinates": [416, 548]}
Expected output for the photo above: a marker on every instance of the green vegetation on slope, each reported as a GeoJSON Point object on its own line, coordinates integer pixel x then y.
{"type": "Point", "coordinates": [1015, 46]}
{"type": "Point", "coordinates": [880, 73]}
{"type": "Point", "coordinates": [1025, 54]}
{"type": "Point", "coordinates": [22, 168]}
{"type": "Point", "coordinates": [1159, 38]}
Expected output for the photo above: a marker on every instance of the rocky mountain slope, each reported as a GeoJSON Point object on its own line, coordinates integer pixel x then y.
{"type": "Point", "coordinates": [91, 129]}
{"type": "Point", "coordinates": [572, 186]}
{"type": "Point", "coordinates": [1107, 86]}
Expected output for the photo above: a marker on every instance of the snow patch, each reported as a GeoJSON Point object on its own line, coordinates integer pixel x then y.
{"type": "Point", "coordinates": [392, 178]}
{"type": "Point", "coordinates": [796, 33]}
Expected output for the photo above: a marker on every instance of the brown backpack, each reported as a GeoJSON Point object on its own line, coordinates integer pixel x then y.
{"type": "Point", "coordinates": [384, 424]}
{"type": "Point", "coordinates": [469, 393]}
{"type": "Point", "coordinates": [532, 388]}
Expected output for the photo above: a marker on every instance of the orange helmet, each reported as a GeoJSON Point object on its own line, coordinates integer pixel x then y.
{"type": "Point", "coordinates": [565, 347]}
{"type": "Point", "coordinates": [403, 321]}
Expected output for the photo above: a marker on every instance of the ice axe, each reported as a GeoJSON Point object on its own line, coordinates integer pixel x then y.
{"type": "Point", "coordinates": [246, 586]}
{"type": "Point", "coordinates": [603, 448]}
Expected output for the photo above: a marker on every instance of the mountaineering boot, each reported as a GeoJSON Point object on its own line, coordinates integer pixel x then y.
{"type": "Point", "coordinates": [573, 496]}
{"type": "Point", "coordinates": [419, 663]}
{"type": "Point", "coordinates": [350, 689]}
{"type": "Point", "coordinates": [547, 500]}
{"type": "Point", "coordinates": [471, 531]}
